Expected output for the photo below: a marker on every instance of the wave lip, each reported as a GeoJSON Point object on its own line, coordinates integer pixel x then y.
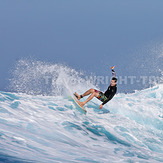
{"type": "Point", "coordinates": [40, 78]}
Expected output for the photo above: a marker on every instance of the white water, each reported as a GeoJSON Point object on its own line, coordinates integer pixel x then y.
{"type": "Point", "coordinates": [36, 128]}
{"type": "Point", "coordinates": [51, 128]}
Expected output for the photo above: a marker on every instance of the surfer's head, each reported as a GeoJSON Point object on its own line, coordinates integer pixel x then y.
{"type": "Point", "coordinates": [113, 81]}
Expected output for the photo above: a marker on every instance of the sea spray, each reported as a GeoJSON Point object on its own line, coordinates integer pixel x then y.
{"type": "Point", "coordinates": [36, 77]}
{"type": "Point", "coordinates": [49, 128]}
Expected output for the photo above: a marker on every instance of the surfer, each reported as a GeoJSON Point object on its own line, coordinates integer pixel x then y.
{"type": "Point", "coordinates": [104, 97]}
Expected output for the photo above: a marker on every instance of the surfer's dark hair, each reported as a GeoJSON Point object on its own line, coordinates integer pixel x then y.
{"type": "Point", "coordinates": [115, 79]}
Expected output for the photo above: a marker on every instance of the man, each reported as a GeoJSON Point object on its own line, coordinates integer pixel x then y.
{"type": "Point", "coordinates": [104, 97]}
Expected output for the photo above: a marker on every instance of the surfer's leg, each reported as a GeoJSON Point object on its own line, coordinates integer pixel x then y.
{"type": "Point", "coordinates": [85, 94]}
{"type": "Point", "coordinates": [93, 94]}
{"type": "Point", "coordinates": [77, 96]}
{"type": "Point", "coordinates": [88, 92]}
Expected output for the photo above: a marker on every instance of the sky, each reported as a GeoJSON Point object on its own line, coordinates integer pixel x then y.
{"type": "Point", "coordinates": [87, 35]}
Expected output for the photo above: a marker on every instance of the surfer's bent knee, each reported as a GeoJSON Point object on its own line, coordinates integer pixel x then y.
{"type": "Point", "coordinates": [92, 90]}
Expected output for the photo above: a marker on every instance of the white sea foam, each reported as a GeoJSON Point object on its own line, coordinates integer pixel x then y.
{"type": "Point", "coordinates": [49, 128]}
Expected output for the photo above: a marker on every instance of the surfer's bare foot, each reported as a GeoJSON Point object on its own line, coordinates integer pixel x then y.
{"type": "Point", "coordinates": [78, 96]}
{"type": "Point", "coordinates": [81, 104]}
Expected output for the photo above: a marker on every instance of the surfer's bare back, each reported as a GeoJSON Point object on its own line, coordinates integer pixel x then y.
{"type": "Point", "coordinates": [104, 97]}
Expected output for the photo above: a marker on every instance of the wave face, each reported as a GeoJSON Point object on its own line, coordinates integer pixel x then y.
{"type": "Point", "coordinates": [41, 123]}
{"type": "Point", "coordinates": [36, 128]}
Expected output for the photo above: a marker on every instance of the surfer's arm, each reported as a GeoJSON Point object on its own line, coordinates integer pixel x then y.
{"type": "Point", "coordinates": [113, 72]}
{"type": "Point", "coordinates": [105, 102]}
{"type": "Point", "coordinates": [110, 97]}
{"type": "Point", "coordinates": [101, 106]}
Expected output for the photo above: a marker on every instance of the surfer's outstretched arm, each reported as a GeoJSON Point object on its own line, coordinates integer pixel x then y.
{"type": "Point", "coordinates": [109, 93]}
{"type": "Point", "coordinates": [113, 72]}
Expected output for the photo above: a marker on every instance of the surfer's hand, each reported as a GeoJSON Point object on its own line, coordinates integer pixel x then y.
{"type": "Point", "coordinates": [101, 106]}
{"type": "Point", "coordinates": [112, 67]}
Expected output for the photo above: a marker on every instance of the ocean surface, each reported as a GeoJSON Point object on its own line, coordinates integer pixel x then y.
{"type": "Point", "coordinates": [41, 123]}
{"type": "Point", "coordinates": [35, 128]}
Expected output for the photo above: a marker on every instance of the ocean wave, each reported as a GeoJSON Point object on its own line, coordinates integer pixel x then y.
{"type": "Point", "coordinates": [40, 128]}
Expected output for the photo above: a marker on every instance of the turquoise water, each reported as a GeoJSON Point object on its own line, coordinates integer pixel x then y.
{"type": "Point", "coordinates": [35, 128]}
